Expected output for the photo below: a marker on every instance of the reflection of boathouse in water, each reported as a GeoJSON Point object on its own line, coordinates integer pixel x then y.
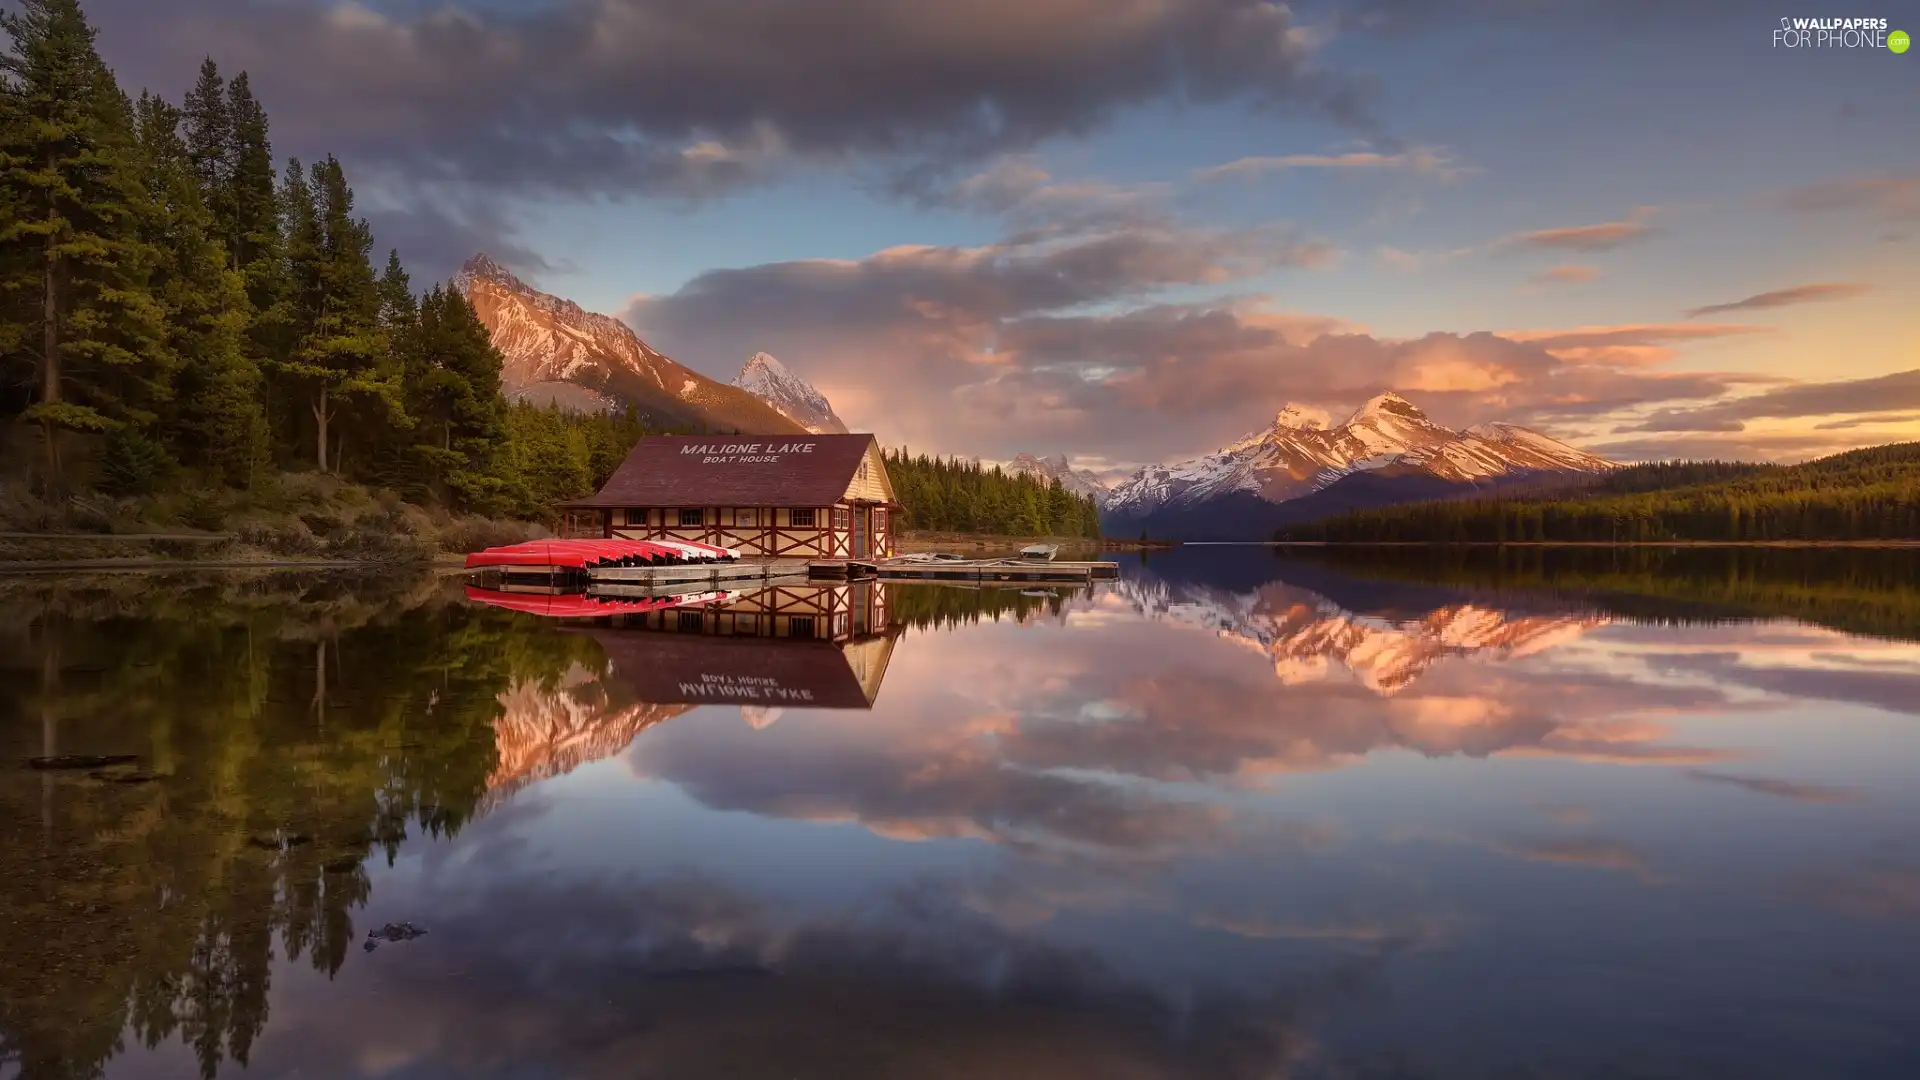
{"type": "Point", "coordinates": [766, 651]}
{"type": "Point", "coordinates": [784, 646]}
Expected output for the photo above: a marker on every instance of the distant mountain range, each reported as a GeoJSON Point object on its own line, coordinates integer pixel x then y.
{"type": "Point", "coordinates": [557, 352]}
{"type": "Point", "coordinates": [1300, 468]}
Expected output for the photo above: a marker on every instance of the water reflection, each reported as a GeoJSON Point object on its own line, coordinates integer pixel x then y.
{"type": "Point", "coordinates": [1236, 815]}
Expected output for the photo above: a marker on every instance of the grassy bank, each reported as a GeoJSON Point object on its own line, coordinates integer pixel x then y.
{"type": "Point", "coordinates": [298, 517]}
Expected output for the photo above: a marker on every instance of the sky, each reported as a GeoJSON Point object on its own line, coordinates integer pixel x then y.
{"type": "Point", "coordinates": [1132, 230]}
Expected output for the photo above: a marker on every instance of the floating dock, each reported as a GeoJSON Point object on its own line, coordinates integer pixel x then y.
{"type": "Point", "coordinates": [738, 571]}
{"type": "Point", "coordinates": [745, 571]}
{"type": "Point", "coordinates": [1012, 570]}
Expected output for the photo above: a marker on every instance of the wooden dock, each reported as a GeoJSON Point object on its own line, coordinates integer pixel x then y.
{"type": "Point", "coordinates": [1009, 570]}
{"type": "Point", "coordinates": [740, 571]}
{"type": "Point", "coordinates": [746, 571]}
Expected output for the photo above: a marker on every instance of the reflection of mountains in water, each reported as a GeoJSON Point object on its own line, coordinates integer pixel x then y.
{"type": "Point", "coordinates": [1308, 635]}
{"type": "Point", "coordinates": [765, 650]}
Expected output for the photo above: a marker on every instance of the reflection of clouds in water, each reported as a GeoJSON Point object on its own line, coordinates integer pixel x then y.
{"type": "Point", "coordinates": [1881, 682]}
{"type": "Point", "coordinates": [1785, 789]}
{"type": "Point", "coordinates": [684, 977]}
{"type": "Point", "coordinates": [981, 735]}
{"type": "Point", "coordinates": [1869, 892]}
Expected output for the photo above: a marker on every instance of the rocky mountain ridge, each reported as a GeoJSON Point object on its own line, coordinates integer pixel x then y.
{"type": "Point", "coordinates": [556, 351]}
{"type": "Point", "coordinates": [1300, 454]}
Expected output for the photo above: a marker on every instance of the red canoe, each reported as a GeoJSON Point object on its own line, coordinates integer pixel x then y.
{"type": "Point", "coordinates": [583, 605]}
{"type": "Point", "coordinates": [578, 554]}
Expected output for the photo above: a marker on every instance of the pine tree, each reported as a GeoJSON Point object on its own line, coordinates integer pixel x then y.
{"type": "Point", "coordinates": [208, 134]}
{"type": "Point", "coordinates": [216, 420]}
{"type": "Point", "coordinates": [74, 282]}
{"type": "Point", "coordinates": [458, 399]}
{"type": "Point", "coordinates": [339, 360]}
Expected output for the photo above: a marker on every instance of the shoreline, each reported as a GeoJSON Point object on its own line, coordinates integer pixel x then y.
{"type": "Point", "coordinates": [1883, 544]}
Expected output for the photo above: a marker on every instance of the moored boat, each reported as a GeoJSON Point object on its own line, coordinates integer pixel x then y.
{"type": "Point", "coordinates": [1041, 552]}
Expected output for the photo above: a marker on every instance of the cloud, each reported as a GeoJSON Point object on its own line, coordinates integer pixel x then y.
{"type": "Point", "coordinates": [1894, 196]}
{"type": "Point", "coordinates": [1566, 275]}
{"type": "Point", "coordinates": [1785, 789]}
{"type": "Point", "coordinates": [659, 96]}
{"type": "Point", "coordinates": [1740, 447]}
{"type": "Point", "coordinates": [1799, 294]}
{"type": "Point", "coordinates": [1605, 236]}
{"type": "Point", "coordinates": [1900, 390]}
{"type": "Point", "coordinates": [1871, 420]}
{"type": "Point", "coordinates": [1427, 161]}
{"type": "Point", "coordinates": [1627, 345]}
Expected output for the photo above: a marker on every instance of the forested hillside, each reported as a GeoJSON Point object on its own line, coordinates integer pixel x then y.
{"type": "Point", "coordinates": [1870, 494]}
{"type": "Point", "coordinates": [176, 316]}
{"type": "Point", "coordinates": [945, 494]}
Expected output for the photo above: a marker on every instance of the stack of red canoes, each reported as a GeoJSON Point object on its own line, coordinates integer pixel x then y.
{"type": "Point", "coordinates": [585, 554]}
{"type": "Point", "coordinates": [583, 605]}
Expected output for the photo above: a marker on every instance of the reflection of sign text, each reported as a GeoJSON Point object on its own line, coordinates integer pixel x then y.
{"type": "Point", "coordinates": [754, 687]}
{"type": "Point", "coordinates": [744, 453]}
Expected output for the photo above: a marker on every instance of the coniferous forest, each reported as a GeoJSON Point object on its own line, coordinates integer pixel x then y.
{"type": "Point", "coordinates": [178, 311]}
{"type": "Point", "coordinates": [949, 495]}
{"type": "Point", "coordinates": [1869, 494]}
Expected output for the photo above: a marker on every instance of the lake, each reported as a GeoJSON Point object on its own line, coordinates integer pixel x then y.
{"type": "Point", "coordinates": [1240, 814]}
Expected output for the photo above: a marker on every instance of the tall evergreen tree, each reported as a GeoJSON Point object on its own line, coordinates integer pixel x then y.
{"type": "Point", "coordinates": [210, 145]}
{"type": "Point", "coordinates": [74, 284]}
{"type": "Point", "coordinates": [216, 421]}
{"type": "Point", "coordinates": [339, 360]}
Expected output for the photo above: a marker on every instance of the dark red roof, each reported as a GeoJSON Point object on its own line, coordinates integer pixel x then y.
{"type": "Point", "coordinates": [733, 470]}
{"type": "Point", "coordinates": [663, 668]}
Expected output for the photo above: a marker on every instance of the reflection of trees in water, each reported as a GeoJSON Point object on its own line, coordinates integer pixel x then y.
{"type": "Point", "coordinates": [293, 725]}
{"type": "Point", "coordinates": [942, 607]}
{"type": "Point", "coordinates": [1867, 591]}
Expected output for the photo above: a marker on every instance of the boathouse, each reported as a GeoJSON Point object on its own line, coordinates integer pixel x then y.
{"type": "Point", "coordinates": [783, 496]}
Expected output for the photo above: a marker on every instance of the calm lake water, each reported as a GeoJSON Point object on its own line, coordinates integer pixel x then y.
{"type": "Point", "coordinates": [1237, 815]}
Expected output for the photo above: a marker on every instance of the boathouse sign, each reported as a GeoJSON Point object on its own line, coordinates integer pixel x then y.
{"type": "Point", "coordinates": [745, 453]}
{"type": "Point", "coordinates": [737, 688]}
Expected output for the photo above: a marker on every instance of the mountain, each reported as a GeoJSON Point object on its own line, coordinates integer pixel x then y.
{"type": "Point", "coordinates": [790, 395]}
{"type": "Point", "coordinates": [555, 351]}
{"type": "Point", "coordinates": [1239, 491]}
{"type": "Point", "coordinates": [1079, 481]}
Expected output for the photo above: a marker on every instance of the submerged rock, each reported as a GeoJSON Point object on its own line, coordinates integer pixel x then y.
{"type": "Point", "coordinates": [82, 761]}
{"type": "Point", "coordinates": [400, 931]}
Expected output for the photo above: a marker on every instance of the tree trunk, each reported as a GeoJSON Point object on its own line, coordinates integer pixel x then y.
{"type": "Point", "coordinates": [321, 414]}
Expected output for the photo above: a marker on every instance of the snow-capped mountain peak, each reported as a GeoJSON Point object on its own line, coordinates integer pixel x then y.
{"type": "Point", "coordinates": [1079, 481]}
{"type": "Point", "coordinates": [793, 397]}
{"type": "Point", "coordinates": [1296, 457]}
{"type": "Point", "coordinates": [1294, 417]}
